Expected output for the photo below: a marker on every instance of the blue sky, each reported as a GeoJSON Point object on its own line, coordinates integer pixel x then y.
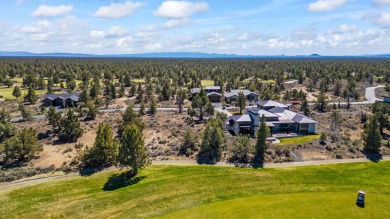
{"type": "Point", "coordinates": [256, 27]}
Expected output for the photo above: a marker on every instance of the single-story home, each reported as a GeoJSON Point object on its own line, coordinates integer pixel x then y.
{"type": "Point", "coordinates": [63, 100]}
{"type": "Point", "coordinates": [233, 95]}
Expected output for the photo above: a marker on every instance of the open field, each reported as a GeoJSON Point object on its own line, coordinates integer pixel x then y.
{"type": "Point", "coordinates": [209, 192]}
{"type": "Point", "coordinates": [299, 140]}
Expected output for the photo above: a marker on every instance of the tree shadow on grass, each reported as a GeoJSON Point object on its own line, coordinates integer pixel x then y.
{"type": "Point", "coordinates": [117, 181]}
{"type": "Point", "coordinates": [374, 157]}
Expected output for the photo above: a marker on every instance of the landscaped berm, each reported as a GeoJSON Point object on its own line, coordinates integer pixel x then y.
{"type": "Point", "coordinates": [325, 191]}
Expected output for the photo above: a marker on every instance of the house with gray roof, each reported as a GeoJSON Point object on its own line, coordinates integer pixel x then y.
{"type": "Point", "coordinates": [239, 124]}
{"type": "Point", "coordinates": [269, 104]}
{"type": "Point", "coordinates": [233, 95]}
{"type": "Point", "coordinates": [63, 100]}
{"type": "Point", "coordinates": [212, 92]}
{"type": "Point", "coordinates": [279, 119]}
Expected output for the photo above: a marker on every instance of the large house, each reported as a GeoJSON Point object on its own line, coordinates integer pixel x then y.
{"type": "Point", "coordinates": [212, 92]}
{"type": "Point", "coordinates": [278, 118]}
{"type": "Point", "coordinates": [62, 100]}
{"type": "Point", "coordinates": [232, 96]}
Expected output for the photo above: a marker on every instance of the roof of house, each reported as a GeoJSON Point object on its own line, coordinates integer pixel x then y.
{"type": "Point", "coordinates": [214, 93]}
{"type": "Point", "coordinates": [240, 118]}
{"type": "Point", "coordinates": [212, 88]}
{"type": "Point", "coordinates": [270, 103]}
{"type": "Point", "coordinates": [64, 96]}
{"type": "Point", "coordinates": [286, 116]}
{"type": "Point", "coordinates": [236, 92]}
{"type": "Point", "coordinates": [262, 112]}
{"type": "Point", "coordinates": [195, 90]}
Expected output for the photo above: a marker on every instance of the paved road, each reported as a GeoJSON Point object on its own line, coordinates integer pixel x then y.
{"type": "Point", "coordinates": [48, 178]}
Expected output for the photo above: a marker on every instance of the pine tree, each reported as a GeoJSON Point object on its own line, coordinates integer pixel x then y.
{"type": "Point", "coordinates": [214, 140]}
{"type": "Point", "coordinates": [199, 103]}
{"type": "Point", "coordinates": [17, 92]}
{"type": "Point", "coordinates": [242, 151]}
{"type": "Point", "coordinates": [153, 106]}
{"type": "Point", "coordinates": [130, 117]}
{"type": "Point", "coordinates": [372, 137]}
{"type": "Point", "coordinates": [92, 110]}
{"type": "Point", "coordinates": [104, 149]}
{"type": "Point", "coordinates": [335, 123]}
{"type": "Point", "coordinates": [321, 104]}
{"type": "Point", "coordinates": [22, 146]}
{"type": "Point", "coordinates": [26, 114]}
{"type": "Point", "coordinates": [31, 97]}
{"type": "Point", "coordinates": [261, 143]}
{"type": "Point", "coordinates": [180, 98]}
{"type": "Point", "coordinates": [189, 142]}
{"type": "Point", "coordinates": [241, 101]}
{"type": "Point", "coordinates": [305, 107]}
{"type": "Point", "coordinates": [132, 151]}
{"type": "Point", "coordinates": [70, 127]}
{"type": "Point", "coordinates": [54, 118]}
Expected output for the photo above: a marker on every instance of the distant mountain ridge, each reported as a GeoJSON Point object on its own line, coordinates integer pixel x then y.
{"type": "Point", "coordinates": [176, 55]}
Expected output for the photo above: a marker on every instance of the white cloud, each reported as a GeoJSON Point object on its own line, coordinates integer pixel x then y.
{"type": "Point", "coordinates": [118, 10]}
{"type": "Point", "coordinates": [97, 34]}
{"type": "Point", "coordinates": [382, 19]}
{"type": "Point", "coordinates": [180, 9]}
{"type": "Point", "coordinates": [52, 11]}
{"type": "Point", "coordinates": [326, 5]}
{"type": "Point", "coordinates": [176, 22]}
{"type": "Point", "coordinates": [35, 28]}
{"type": "Point", "coordinates": [344, 28]}
{"type": "Point", "coordinates": [117, 31]}
{"type": "Point", "coordinates": [381, 2]}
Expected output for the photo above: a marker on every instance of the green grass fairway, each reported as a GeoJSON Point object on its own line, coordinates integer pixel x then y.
{"type": "Point", "coordinates": [295, 205]}
{"type": "Point", "coordinates": [298, 140]}
{"type": "Point", "coordinates": [7, 92]}
{"type": "Point", "coordinates": [140, 80]}
{"type": "Point", "coordinates": [325, 191]}
{"type": "Point", "coordinates": [205, 83]}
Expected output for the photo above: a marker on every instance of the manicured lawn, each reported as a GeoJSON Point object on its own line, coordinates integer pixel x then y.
{"type": "Point", "coordinates": [205, 83]}
{"type": "Point", "coordinates": [299, 140]}
{"type": "Point", "coordinates": [139, 80]}
{"type": "Point", "coordinates": [325, 191]}
{"type": "Point", "coordinates": [7, 92]}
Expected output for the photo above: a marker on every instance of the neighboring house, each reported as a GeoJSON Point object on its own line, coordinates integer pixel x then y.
{"type": "Point", "coordinates": [279, 119]}
{"type": "Point", "coordinates": [63, 100]}
{"type": "Point", "coordinates": [239, 124]}
{"type": "Point", "coordinates": [214, 97]}
{"type": "Point", "coordinates": [209, 89]}
{"type": "Point", "coordinates": [212, 92]}
{"type": "Point", "coordinates": [233, 95]}
{"type": "Point", "coordinates": [194, 91]}
{"type": "Point", "coordinates": [269, 104]}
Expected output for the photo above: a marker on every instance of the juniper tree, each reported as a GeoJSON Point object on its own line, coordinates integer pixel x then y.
{"type": "Point", "coordinates": [70, 127]}
{"type": "Point", "coordinates": [180, 98]}
{"type": "Point", "coordinates": [213, 142]}
{"type": "Point", "coordinates": [130, 117]}
{"type": "Point", "coordinates": [22, 146]}
{"type": "Point", "coordinates": [242, 151]}
{"type": "Point", "coordinates": [26, 114]}
{"type": "Point", "coordinates": [31, 97]}
{"type": "Point", "coordinates": [261, 143]}
{"type": "Point", "coordinates": [16, 92]}
{"type": "Point", "coordinates": [54, 118]}
{"type": "Point", "coordinates": [241, 101]}
{"type": "Point", "coordinates": [104, 149]}
{"type": "Point", "coordinates": [132, 151]}
{"type": "Point", "coordinates": [372, 137]}
{"type": "Point", "coordinates": [153, 106]}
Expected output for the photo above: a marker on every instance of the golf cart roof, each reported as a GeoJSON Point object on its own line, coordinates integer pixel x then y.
{"type": "Point", "coordinates": [361, 192]}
